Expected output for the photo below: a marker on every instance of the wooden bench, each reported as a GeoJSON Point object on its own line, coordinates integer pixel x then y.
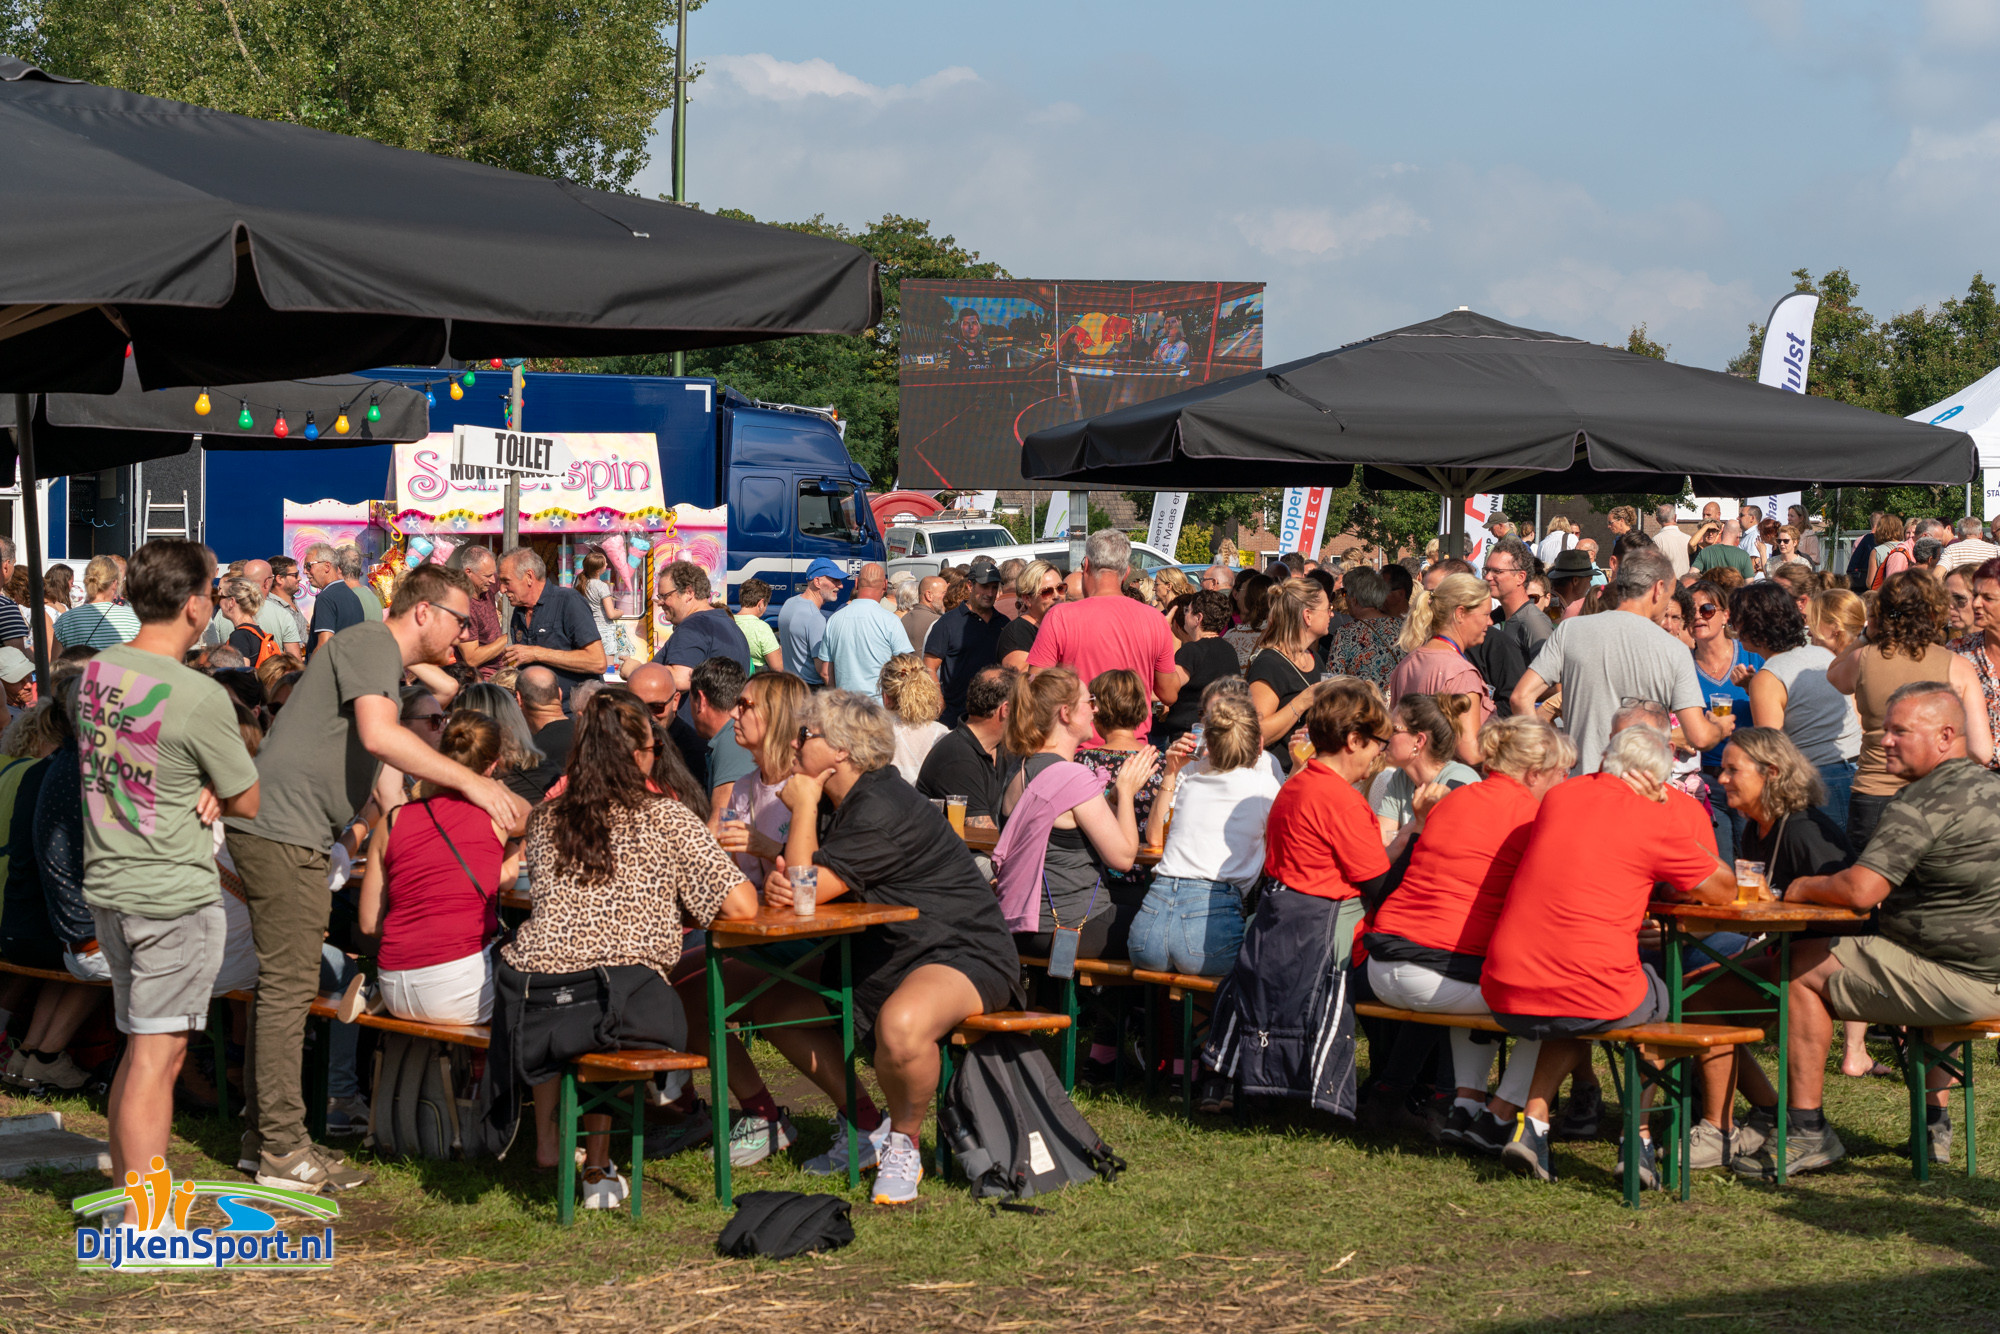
{"type": "Point", "coordinates": [1675, 1076]}
{"type": "Point", "coordinates": [1182, 987]}
{"type": "Point", "coordinates": [1949, 1049]}
{"type": "Point", "coordinates": [971, 1031]}
{"type": "Point", "coordinates": [1097, 973]}
{"type": "Point", "coordinates": [627, 1072]}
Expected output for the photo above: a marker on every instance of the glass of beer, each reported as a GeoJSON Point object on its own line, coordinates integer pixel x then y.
{"type": "Point", "coordinates": [1302, 753]}
{"type": "Point", "coordinates": [805, 889]}
{"type": "Point", "coordinates": [1751, 885]}
{"type": "Point", "coordinates": [1721, 706]}
{"type": "Point", "coordinates": [954, 811]}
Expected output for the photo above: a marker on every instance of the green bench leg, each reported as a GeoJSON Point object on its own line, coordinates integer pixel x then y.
{"type": "Point", "coordinates": [944, 1082]}
{"type": "Point", "coordinates": [1920, 1057]}
{"type": "Point", "coordinates": [566, 1136]}
{"type": "Point", "coordinates": [1628, 1147]}
{"type": "Point", "coordinates": [1971, 1122]}
{"type": "Point", "coordinates": [638, 1180]}
{"type": "Point", "coordinates": [848, 1056]}
{"type": "Point", "coordinates": [1072, 1008]}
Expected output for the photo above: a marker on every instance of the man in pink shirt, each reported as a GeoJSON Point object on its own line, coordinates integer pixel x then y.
{"type": "Point", "coordinates": [1105, 630]}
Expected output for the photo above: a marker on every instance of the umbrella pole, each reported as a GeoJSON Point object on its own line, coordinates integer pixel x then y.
{"type": "Point", "coordinates": [1455, 534]}
{"type": "Point", "coordinates": [38, 625]}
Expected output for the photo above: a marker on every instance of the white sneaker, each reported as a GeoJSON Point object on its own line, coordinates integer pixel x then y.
{"type": "Point", "coordinates": [753, 1138]}
{"type": "Point", "coordinates": [834, 1161]}
{"type": "Point", "coordinates": [902, 1168]}
{"type": "Point", "coordinates": [62, 1073]}
{"type": "Point", "coordinates": [603, 1188]}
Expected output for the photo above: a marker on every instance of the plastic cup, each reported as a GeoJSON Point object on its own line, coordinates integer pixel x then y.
{"type": "Point", "coordinates": [1721, 706]}
{"type": "Point", "coordinates": [954, 811]}
{"type": "Point", "coordinates": [1200, 735]}
{"type": "Point", "coordinates": [939, 803]}
{"type": "Point", "coordinates": [805, 889]}
{"type": "Point", "coordinates": [1751, 884]}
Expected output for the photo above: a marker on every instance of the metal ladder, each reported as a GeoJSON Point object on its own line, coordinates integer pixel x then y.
{"type": "Point", "coordinates": [161, 517]}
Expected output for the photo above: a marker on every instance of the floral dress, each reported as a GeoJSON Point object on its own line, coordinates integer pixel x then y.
{"type": "Point", "coordinates": [1107, 763]}
{"type": "Point", "coordinates": [1366, 649]}
{"type": "Point", "coordinates": [1972, 648]}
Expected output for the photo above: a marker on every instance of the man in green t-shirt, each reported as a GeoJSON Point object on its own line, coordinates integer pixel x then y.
{"type": "Point", "coordinates": [755, 600]}
{"type": "Point", "coordinates": [161, 757]}
{"type": "Point", "coordinates": [339, 727]}
{"type": "Point", "coordinates": [1725, 551]}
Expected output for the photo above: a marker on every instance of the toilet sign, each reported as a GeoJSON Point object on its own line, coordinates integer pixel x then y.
{"type": "Point", "coordinates": [478, 450]}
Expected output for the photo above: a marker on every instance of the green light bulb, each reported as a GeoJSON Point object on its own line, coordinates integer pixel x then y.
{"type": "Point", "coordinates": [374, 411]}
{"type": "Point", "coordinates": [244, 420]}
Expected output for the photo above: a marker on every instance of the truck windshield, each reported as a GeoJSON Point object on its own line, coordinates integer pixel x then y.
{"type": "Point", "coordinates": [971, 539]}
{"type": "Point", "coordinates": [829, 513]}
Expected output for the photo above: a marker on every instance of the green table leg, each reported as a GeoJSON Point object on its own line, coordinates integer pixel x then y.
{"type": "Point", "coordinates": [847, 1058]}
{"type": "Point", "coordinates": [566, 1137]}
{"type": "Point", "coordinates": [1784, 999]}
{"type": "Point", "coordinates": [1687, 1070]}
{"type": "Point", "coordinates": [1628, 1148]}
{"type": "Point", "coordinates": [1969, 1054]}
{"type": "Point", "coordinates": [1187, 1053]}
{"type": "Point", "coordinates": [718, 1071]}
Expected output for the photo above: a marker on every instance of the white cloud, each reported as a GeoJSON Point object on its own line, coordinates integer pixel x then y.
{"type": "Point", "coordinates": [1961, 23]}
{"type": "Point", "coordinates": [1320, 231]}
{"type": "Point", "coordinates": [768, 77]}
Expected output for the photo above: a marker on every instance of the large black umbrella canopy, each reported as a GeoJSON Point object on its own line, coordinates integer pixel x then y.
{"type": "Point", "coordinates": [227, 249]}
{"type": "Point", "coordinates": [80, 433]}
{"type": "Point", "coordinates": [1464, 404]}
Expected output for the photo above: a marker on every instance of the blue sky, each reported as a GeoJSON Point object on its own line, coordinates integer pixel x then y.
{"type": "Point", "coordinates": [1575, 167]}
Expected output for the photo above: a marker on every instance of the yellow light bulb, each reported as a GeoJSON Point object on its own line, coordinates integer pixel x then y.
{"type": "Point", "coordinates": [340, 424]}
{"type": "Point", "coordinates": [457, 389]}
{"type": "Point", "coordinates": [201, 405]}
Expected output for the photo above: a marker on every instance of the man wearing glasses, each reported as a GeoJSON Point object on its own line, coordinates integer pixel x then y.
{"type": "Point", "coordinates": [335, 605]}
{"type": "Point", "coordinates": [552, 624]}
{"type": "Point", "coordinates": [656, 688]}
{"type": "Point", "coordinates": [1508, 570]}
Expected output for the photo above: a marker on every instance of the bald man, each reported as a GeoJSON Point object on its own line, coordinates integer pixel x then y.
{"type": "Point", "coordinates": [861, 636]}
{"type": "Point", "coordinates": [917, 622]}
{"type": "Point", "coordinates": [654, 684]}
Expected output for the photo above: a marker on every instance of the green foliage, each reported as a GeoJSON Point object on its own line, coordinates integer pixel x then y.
{"type": "Point", "coordinates": [541, 86]}
{"type": "Point", "coordinates": [1644, 346]}
{"type": "Point", "coordinates": [858, 376]}
{"type": "Point", "coordinates": [1196, 546]}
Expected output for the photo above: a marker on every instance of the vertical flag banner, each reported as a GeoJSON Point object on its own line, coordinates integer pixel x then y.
{"type": "Point", "coordinates": [1478, 510]}
{"type": "Point", "coordinates": [1787, 355]}
{"type": "Point", "coordinates": [1975, 410]}
{"type": "Point", "coordinates": [1055, 528]}
{"type": "Point", "coordinates": [1302, 525]}
{"type": "Point", "coordinates": [1163, 534]}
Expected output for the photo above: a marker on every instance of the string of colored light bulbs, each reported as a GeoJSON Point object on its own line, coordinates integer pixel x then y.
{"type": "Point", "coordinates": [341, 426]}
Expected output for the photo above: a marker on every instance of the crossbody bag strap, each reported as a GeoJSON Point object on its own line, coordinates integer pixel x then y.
{"type": "Point", "coordinates": [476, 886]}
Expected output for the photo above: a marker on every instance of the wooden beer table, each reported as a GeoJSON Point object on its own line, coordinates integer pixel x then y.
{"type": "Point", "coordinates": [834, 926]}
{"type": "Point", "coordinates": [1686, 926]}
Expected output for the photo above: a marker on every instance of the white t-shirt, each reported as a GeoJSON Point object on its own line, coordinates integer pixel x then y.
{"type": "Point", "coordinates": [1218, 829]}
{"type": "Point", "coordinates": [1604, 659]}
{"type": "Point", "coordinates": [913, 745]}
{"type": "Point", "coordinates": [1554, 545]}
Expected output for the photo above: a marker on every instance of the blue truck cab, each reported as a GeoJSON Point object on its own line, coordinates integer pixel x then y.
{"type": "Point", "coordinates": [793, 492]}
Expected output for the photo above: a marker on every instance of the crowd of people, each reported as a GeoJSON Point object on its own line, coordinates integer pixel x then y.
{"type": "Point", "coordinates": [1318, 783]}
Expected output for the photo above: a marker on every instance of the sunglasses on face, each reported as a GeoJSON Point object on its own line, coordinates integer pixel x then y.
{"type": "Point", "coordinates": [659, 706]}
{"type": "Point", "coordinates": [807, 734]}
{"type": "Point", "coordinates": [1706, 610]}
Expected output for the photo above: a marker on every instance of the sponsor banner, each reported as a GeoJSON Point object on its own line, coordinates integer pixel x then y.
{"type": "Point", "coordinates": [1164, 532]}
{"type": "Point", "coordinates": [1302, 522]}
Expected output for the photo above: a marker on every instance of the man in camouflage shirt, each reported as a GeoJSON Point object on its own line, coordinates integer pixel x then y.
{"type": "Point", "coordinates": [1933, 865]}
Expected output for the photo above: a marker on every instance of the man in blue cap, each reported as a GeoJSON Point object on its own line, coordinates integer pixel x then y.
{"type": "Point", "coordinates": [801, 623]}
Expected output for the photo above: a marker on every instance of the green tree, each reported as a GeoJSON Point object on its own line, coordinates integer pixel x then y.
{"type": "Point", "coordinates": [1638, 342]}
{"type": "Point", "coordinates": [544, 86]}
{"type": "Point", "coordinates": [857, 376]}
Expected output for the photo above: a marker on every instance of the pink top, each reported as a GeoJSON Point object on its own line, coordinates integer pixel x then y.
{"type": "Point", "coordinates": [1103, 634]}
{"type": "Point", "coordinates": [433, 911]}
{"type": "Point", "coordinates": [1439, 669]}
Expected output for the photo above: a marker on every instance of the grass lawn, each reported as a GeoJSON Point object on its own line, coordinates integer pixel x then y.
{"type": "Point", "coordinates": [1289, 1223]}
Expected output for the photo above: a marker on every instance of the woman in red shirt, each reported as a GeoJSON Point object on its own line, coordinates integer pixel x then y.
{"type": "Point", "coordinates": [1284, 1021]}
{"type": "Point", "coordinates": [432, 891]}
{"type": "Point", "coordinates": [1429, 937]}
{"type": "Point", "coordinates": [1563, 961]}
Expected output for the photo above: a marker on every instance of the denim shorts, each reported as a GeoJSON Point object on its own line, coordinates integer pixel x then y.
{"type": "Point", "coordinates": [1188, 926]}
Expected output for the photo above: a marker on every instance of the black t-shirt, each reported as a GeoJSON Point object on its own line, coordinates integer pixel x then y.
{"type": "Point", "coordinates": [694, 751]}
{"type": "Point", "coordinates": [1501, 662]}
{"type": "Point", "coordinates": [335, 607]}
{"type": "Point", "coordinates": [891, 846]}
{"type": "Point", "coordinates": [966, 646]}
{"type": "Point", "coordinates": [562, 621]}
{"type": "Point", "coordinates": [554, 741]}
{"type": "Point", "coordinates": [247, 640]}
{"type": "Point", "coordinates": [959, 766]}
{"type": "Point", "coordinates": [1018, 637]}
{"type": "Point", "coordinates": [1282, 675]}
{"type": "Point", "coordinates": [1803, 843]}
{"type": "Point", "coordinates": [1204, 660]}
{"type": "Point", "coordinates": [706, 634]}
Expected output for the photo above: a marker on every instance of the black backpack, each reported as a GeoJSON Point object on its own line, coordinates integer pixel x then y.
{"type": "Point", "coordinates": [417, 1110]}
{"type": "Point", "coordinates": [1013, 1130]}
{"type": "Point", "coordinates": [778, 1224]}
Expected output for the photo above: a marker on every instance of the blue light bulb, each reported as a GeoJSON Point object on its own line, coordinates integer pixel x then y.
{"type": "Point", "coordinates": [312, 428]}
{"type": "Point", "coordinates": [430, 398]}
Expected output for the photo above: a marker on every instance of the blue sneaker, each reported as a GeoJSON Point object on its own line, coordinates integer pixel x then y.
{"type": "Point", "coordinates": [1527, 1151]}
{"type": "Point", "coordinates": [1649, 1169]}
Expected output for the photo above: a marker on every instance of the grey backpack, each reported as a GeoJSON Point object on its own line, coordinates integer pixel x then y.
{"type": "Point", "coordinates": [417, 1111]}
{"type": "Point", "coordinates": [1012, 1129]}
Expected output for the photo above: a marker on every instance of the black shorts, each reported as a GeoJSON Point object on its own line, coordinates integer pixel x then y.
{"type": "Point", "coordinates": [1653, 1008]}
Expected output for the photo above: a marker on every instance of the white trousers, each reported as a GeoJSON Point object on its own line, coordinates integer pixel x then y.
{"type": "Point", "coordinates": [1411, 986]}
{"type": "Point", "coordinates": [458, 991]}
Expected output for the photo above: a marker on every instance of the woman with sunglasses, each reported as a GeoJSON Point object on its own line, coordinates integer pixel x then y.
{"type": "Point", "coordinates": [914, 981]}
{"type": "Point", "coordinates": [1724, 667]}
{"type": "Point", "coordinates": [1283, 1021]}
{"type": "Point", "coordinates": [1038, 587]}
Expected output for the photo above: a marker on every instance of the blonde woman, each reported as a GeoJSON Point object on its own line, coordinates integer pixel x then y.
{"type": "Point", "coordinates": [1560, 537]}
{"type": "Point", "coordinates": [1443, 626]}
{"type": "Point", "coordinates": [1287, 664]}
{"type": "Point", "coordinates": [1170, 583]}
{"type": "Point", "coordinates": [1835, 619]}
{"type": "Point", "coordinates": [911, 695]}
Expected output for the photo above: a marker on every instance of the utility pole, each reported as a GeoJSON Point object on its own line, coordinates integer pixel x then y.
{"type": "Point", "coordinates": [510, 513]}
{"type": "Point", "coordinates": [680, 130]}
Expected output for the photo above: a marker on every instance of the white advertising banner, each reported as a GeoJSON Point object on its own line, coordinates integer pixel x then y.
{"type": "Point", "coordinates": [1164, 532]}
{"type": "Point", "coordinates": [1786, 358]}
{"type": "Point", "coordinates": [1302, 523]}
{"type": "Point", "coordinates": [1478, 510]}
{"type": "Point", "coordinates": [1055, 527]}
